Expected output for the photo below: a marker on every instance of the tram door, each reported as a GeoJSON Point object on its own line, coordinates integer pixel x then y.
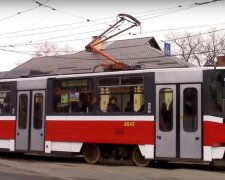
{"type": "Point", "coordinates": [178, 121]}
{"type": "Point", "coordinates": [30, 120]}
{"type": "Point", "coordinates": [166, 121]}
{"type": "Point", "coordinates": [190, 121]}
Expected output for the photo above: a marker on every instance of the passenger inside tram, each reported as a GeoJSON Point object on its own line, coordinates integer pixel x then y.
{"type": "Point", "coordinates": [93, 104]}
{"type": "Point", "coordinates": [6, 107]}
{"type": "Point", "coordinates": [130, 107]}
{"type": "Point", "coordinates": [165, 123]}
{"type": "Point", "coordinates": [112, 105]}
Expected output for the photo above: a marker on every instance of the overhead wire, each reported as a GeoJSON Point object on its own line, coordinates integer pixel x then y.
{"type": "Point", "coordinates": [81, 22]}
{"type": "Point", "coordinates": [21, 12]}
{"type": "Point", "coordinates": [45, 32]}
{"type": "Point", "coordinates": [80, 39]}
{"type": "Point", "coordinates": [66, 13]}
{"type": "Point", "coordinates": [57, 37]}
{"type": "Point", "coordinates": [35, 41]}
{"type": "Point", "coordinates": [163, 14]}
{"type": "Point", "coordinates": [40, 4]}
{"type": "Point", "coordinates": [121, 59]}
{"type": "Point", "coordinates": [183, 37]}
{"type": "Point", "coordinates": [146, 32]}
{"type": "Point", "coordinates": [188, 7]}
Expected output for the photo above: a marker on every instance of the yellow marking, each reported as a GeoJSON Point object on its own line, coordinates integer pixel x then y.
{"type": "Point", "coordinates": [129, 124]}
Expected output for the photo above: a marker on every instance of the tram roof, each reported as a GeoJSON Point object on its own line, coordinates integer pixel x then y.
{"type": "Point", "coordinates": [112, 73]}
{"type": "Point", "coordinates": [144, 51]}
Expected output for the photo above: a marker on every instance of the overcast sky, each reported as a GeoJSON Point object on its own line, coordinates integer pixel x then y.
{"type": "Point", "coordinates": [24, 23]}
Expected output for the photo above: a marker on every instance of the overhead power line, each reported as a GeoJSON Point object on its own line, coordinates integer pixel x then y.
{"type": "Point", "coordinates": [33, 41]}
{"type": "Point", "coordinates": [57, 37]}
{"type": "Point", "coordinates": [37, 29]}
{"type": "Point", "coordinates": [81, 22]}
{"type": "Point", "coordinates": [165, 10]}
{"type": "Point", "coordinates": [152, 12]}
{"type": "Point", "coordinates": [45, 32]}
{"type": "Point", "coordinates": [186, 8]}
{"type": "Point", "coordinates": [80, 39]}
{"type": "Point", "coordinates": [66, 13]}
{"type": "Point", "coordinates": [218, 30]}
{"type": "Point", "coordinates": [21, 12]}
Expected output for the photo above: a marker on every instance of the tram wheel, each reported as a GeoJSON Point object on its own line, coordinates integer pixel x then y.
{"type": "Point", "coordinates": [91, 153]}
{"type": "Point", "coordinates": [138, 159]}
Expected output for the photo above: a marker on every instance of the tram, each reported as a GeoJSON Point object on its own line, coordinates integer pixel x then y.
{"type": "Point", "coordinates": [160, 114]}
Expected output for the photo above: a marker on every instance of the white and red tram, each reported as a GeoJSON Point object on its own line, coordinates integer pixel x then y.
{"type": "Point", "coordinates": [172, 114]}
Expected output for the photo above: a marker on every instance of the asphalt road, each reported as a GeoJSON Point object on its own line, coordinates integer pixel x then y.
{"type": "Point", "coordinates": [12, 173]}
{"type": "Point", "coordinates": [53, 168]}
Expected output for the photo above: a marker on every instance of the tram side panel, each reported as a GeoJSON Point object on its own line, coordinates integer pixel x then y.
{"type": "Point", "coordinates": [7, 115]}
{"type": "Point", "coordinates": [69, 131]}
{"type": "Point", "coordinates": [213, 115]}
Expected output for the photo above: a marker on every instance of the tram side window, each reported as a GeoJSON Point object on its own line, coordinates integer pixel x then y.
{"type": "Point", "coordinates": [190, 109]}
{"type": "Point", "coordinates": [217, 88]}
{"type": "Point", "coordinates": [121, 94]}
{"type": "Point", "coordinates": [73, 96]}
{"type": "Point", "coordinates": [23, 111]}
{"type": "Point", "coordinates": [165, 110]}
{"type": "Point", "coordinates": [38, 110]}
{"type": "Point", "coordinates": [5, 99]}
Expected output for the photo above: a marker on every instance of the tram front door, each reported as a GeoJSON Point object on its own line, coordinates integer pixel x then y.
{"type": "Point", "coordinates": [178, 121]}
{"type": "Point", "coordinates": [30, 120]}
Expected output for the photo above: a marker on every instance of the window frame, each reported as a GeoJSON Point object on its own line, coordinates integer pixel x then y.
{"type": "Point", "coordinates": [121, 94]}
{"type": "Point", "coordinates": [168, 110]}
{"type": "Point", "coordinates": [189, 109]}
{"type": "Point", "coordinates": [149, 98]}
{"type": "Point", "coordinates": [50, 98]}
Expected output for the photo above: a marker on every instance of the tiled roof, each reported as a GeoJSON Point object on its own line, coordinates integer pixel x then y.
{"type": "Point", "coordinates": [2, 74]}
{"type": "Point", "coordinates": [144, 51]}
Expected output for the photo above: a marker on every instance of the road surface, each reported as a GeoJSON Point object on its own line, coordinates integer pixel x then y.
{"type": "Point", "coordinates": [55, 168]}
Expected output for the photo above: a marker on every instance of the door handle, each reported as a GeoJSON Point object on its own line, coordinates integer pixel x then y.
{"type": "Point", "coordinates": [41, 134]}
{"type": "Point", "coordinates": [18, 134]}
{"type": "Point", "coordinates": [197, 138]}
{"type": "Point", "coordinates": [158, 137]}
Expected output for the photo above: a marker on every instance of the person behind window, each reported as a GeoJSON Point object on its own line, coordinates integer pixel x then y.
{"type": "Point", "coordinates": [6, 107]}
{"type": "Point", "coordinates": [80, 106]}
{"type": "Point", "coordinates": [163, 117]}
{"type": "Point", "coordinates": [166, 118]}
{"type": "Point", "coordinates": [77, 106]}
{"type": "Point", "coordinates": [37, 115]}
{"type": "Point", "coordinates": [112, 105]}
{"type": "Point", "coordinates": [129, 107]}
{"type": "Point", "coordinates": [83, 103]}
{"type": "Point", "coordinates": [93, 104]}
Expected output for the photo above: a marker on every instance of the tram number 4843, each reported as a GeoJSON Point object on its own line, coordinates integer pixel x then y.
{"type": "Point", "coordinates": [129, 124]}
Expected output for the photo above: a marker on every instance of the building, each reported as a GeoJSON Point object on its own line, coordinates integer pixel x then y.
{"type": "Point", "coordinates": [141, 51]}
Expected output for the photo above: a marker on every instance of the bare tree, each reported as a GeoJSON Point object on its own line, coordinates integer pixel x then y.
{"type": "Point", "coordinates": [67, 50]}
{"type": "Point", "coordinates": [186, 48]}
{"type": "Point", "coordinates": [212, 46]}
{"type": "Point", "coordinates": [198, 48]}
{"type": "Point", "coordinates": [52, 49]}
